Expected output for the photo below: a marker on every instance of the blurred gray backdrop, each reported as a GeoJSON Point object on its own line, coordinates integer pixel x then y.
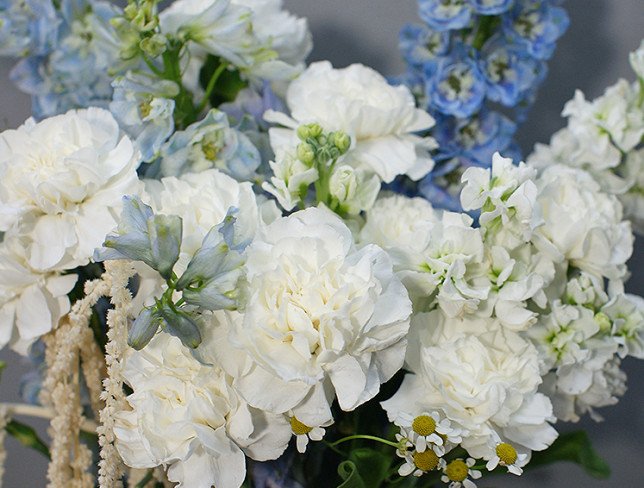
{"type": "Point", "coordinates": [592, 55]}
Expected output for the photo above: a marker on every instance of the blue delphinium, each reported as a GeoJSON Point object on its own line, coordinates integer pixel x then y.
{"type": "Point", "coordinates": [144, 106]}
{"type": "Point", "coordinates": [75, 72]}
{"type": "Point", "coordinates": [475, 66]}
{"type": "Point", "coordinates": [28, 27]}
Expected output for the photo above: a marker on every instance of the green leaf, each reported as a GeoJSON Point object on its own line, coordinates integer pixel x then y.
{"type": "Point", "coordinates": [2, 366]}
{"type": "Point", "coordinates": [574, 447]}
{"type": "Point", "coordinates": [27, 436]}
{"type": "Point", "coordinates": [373, 465]}
{"type": "Point", "coordinates": [350, 476]}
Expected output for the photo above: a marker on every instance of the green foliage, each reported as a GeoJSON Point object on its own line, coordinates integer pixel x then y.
{"type": "Point", "coordinates": [27, 436]}
{"type": "Point", "coordinates": [573, 447]}
{"type": "Point", "coordinates": [365, 467]}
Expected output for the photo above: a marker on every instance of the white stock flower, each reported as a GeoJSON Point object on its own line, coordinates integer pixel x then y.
{"type": "Point", "coordinates": [581, 223]}
{"type": "Point", "coordinates": [482, 377]}
{"type": "Point", "coordinates": [613, 118]}
{"type": "Point", "coordinates": [281, 31]}
{"type": "Point", "coordinates": [354, 190]}
{"type": "Point", "coordinates": [220, 27]}
{"type": "Point", "coordinates": [379, 118]}
{"type": "Point", "coordinates": [506, 195]}
{"type": "Point", "coordinates": [633, 198]}
{"type": "Point", "coordinates": [626, 312]}
{"type": "Point", "coordinates": [636, 59]}
{"type": "Point", "coordinates": [62, 183]}
{"type": "Point", "coordinates": [290, 175]}
{"type": "Point", "coordinates": [319, 309]}
{"type": "Point", "coordinates": [185, 415]}
{"type": "Point", "coordinates": [31, 302]}
{"type": "Point", "coordinates": [436, 254]}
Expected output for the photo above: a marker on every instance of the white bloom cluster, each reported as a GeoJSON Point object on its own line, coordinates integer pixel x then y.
{"type": "Point", "coordinates": [381, 121]}
{"type": "Point", "coordinates": [257, 36]}
{"type": "Point", "coordinates": [62, 184]}
{"type": "Point", "coordinates": [604, 137]}
{"type": "Point", "coordinates": [514, 326]}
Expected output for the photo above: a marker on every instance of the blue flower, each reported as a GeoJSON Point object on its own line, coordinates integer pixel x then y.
{"type": "Point", "coordinates": [491, 7]}
{"type": "Point", "coordinates": [442, 15]}
{"type": "Point", "coordinates": [536, 26]}
{"type": "Point", "coordinates": [27, 27]}
{"type": "Point", "coordinates": [474, 140]}
{"type": "Point", "coordinates": [509, 71]}
{"type": "Point", "coordinates": [75, 74]}
{"type": "Point", "coordinates": [441, 186]}
{"type": "Point", "coordinates": [144, 107]}
{"type": "Point", "coordinates": [210, 143]}
{"type": "Point", "coordinates": [457, 87]}
{"type": "Point", "coordinates": [419, 45]}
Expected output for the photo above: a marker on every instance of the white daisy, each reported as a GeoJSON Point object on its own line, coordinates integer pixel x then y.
{"type": "Point", "coordinates": [456, 473]}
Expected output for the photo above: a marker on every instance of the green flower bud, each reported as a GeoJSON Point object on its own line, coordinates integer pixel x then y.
{"type": "Point", "coordinates": [307, 131]}
{"type": "Point", "coordinates": [342, 141]}
{"type": "Point", "coordinates": [144, 328]}
{"type": "Point", "coordinates": [305, 153]}
{"type": "Point", "coordinates": [153, 46]}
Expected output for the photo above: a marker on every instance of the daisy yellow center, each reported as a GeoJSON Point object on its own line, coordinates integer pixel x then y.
{"type": "Point", "coordinates": [299, 428]}
{"type": "Point", "coordinates": [507, 454]}
{"type": "Point", "coordinates": [426, 461]}
{"type": "Point", "coordinates": [456, 470]}
{"type": "Point", "coordinates": [424, 425]}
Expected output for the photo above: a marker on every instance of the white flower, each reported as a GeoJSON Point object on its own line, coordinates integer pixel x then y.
{"type": "Point", "coordinates": [379, 118]}
{"type": "Point", "coordinates": [318, 309]}
{"type": "Point", "coordinates": [506, 195]}
{"type": "Point", "coordinates": [186, 415]}
{"type": "Point", "coordinates": [456, 473]}
{"type": "Point", "coordinates": [581, 224]}
{"type": "Point", "coordinates": [303, 433]}
{"type": "Point", "coordinates": [62, 184]}
{"type": "Point", "coordinates": [281, 31]}
{"type": "Point", "coordinates": [354, 190]}
{"type": "Point", "coordinates": [220, 27]}
{"type": "Point", "coordinates": [31, 302]}
{"type": "Point", "coordinates": [626, 312]}
{"type": "Point", "coordinates": [615, 118]}
{"type": "Point", "coordinates": [428, 430]}
{"type": "Point", "coordinates": [505, 454]}
{"type": "Point", "coordinates": [202, 201]}
{"type": "Point", "coordinates": [633, 198]}
{"type": "Point", "coordinates": [481, 377]}
{"type": "Point", "coordinates": [437, 255]}
{"type": "Point", "coordinates": [290, 175]}
{"type": "Point", "coordinates": [636, 59]}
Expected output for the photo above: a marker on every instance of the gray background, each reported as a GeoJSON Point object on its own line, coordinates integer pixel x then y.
{"type": "Point", "coordinates": [591, 55]}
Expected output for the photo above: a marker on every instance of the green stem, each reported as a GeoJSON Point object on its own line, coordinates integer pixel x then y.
{"type": "Point", "coordinates": [146, 479]}
{"type": "Point", "coordinates": [152, 66]}
{"type": "Point", "coordinates": [365, 437]}
{"type": "Point", "coordinates": [487, 23]}
{"type": "Point", "coordinates": [211, 86]}
{"type": "Point", "coordinates": [335, 449]}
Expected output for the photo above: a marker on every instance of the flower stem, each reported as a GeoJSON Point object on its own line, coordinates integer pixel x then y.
{"type": "Point", "coordinates": [211, 86]}
{"type": "Point", "coordinates": [43, 413]}
{"type": "Point", "coordinates": [366, 437]}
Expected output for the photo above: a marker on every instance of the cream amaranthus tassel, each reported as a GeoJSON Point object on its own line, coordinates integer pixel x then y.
{"type": "Point", "coordinates": [4, 420]}
{"type": "Point", "coordinates": [111, 468]}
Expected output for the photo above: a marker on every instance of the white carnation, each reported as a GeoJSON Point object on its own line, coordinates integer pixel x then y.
{"type": "Point", "coordinates": [483, 378]}
{"type": "Point", "coordinates": [581, 224]}
{"type": "Point", "coordinates": [62, 184]}
{"type": "Point", "coordinates": [31, 302]}
{"type": "Point", "coordinates": [438, 255]}
{"type": "Point", "coordinates": [379, 118]}
{"type": "Point", "coordinates": [633, 199]}
{"type": "Point", "coordinates": [319, 309]}
{"type": "Point", "coordinates": [290, 175]}
{"type": "Point", "coordinates": [186, 415]}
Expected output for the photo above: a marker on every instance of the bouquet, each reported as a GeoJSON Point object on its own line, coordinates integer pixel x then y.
{"type": "Point", "coordinates": [233, 269]}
